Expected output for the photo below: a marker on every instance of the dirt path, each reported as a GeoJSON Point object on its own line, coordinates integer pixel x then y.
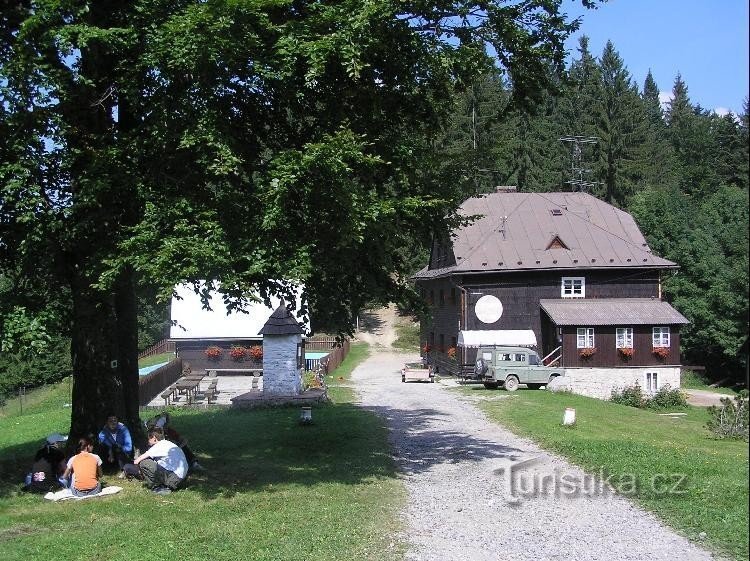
{"type": "Point", "coordinates": [461, 508]}
{"type": "Point", "coordinates": [703, 398]}
{"type": "Point", "coordinates": [378, 327]}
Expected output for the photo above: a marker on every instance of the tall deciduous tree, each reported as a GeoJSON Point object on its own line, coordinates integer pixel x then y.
{"type": "Point", "coordinates": [256, 143]}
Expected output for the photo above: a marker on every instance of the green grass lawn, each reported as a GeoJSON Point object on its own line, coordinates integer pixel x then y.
{"type": "Point", "coordinates": [272, 489]}
{"type": "Point", "coordinates": [625, 440]}
{"type": "Point", "coordinates": [695, 381]}
{"type": "Point", "coordinates": [407, 337]}
{"type": "Point", "coordinates": [155, 359]}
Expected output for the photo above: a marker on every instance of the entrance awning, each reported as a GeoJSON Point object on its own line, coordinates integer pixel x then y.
{"type": "Point", "coordinates": [507, 337]}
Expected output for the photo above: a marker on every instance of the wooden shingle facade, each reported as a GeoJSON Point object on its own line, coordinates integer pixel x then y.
{"type": "Point", "coordinates": [526, 253]}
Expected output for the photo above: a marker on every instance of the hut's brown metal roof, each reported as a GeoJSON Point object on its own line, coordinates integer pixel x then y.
{"type": "Point", "coordinates": [611, 311]}
{"type": "Point", "coordinates": [528, 231]}
{"type": "Point", "coordinates": [281, 322]}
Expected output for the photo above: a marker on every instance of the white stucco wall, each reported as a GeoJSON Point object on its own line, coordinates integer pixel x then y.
{"type": "Point", "coordinates": [280, 373]}
{"type": "Point", "coordinates": [599, 382]}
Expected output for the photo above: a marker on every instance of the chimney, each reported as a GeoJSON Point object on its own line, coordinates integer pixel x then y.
{"type": "Point", "coordinates": [506, 189]}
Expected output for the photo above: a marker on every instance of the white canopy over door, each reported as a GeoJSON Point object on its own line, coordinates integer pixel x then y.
{"type": "Point", "coordinates": [504, 337]}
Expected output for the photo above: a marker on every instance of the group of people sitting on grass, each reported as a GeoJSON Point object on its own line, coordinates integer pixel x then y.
{"type": "Point", "coordinates": [163, 467]}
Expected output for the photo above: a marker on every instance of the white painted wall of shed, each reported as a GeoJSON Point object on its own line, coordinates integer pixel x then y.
{"type": "Point", "coordinates": [599, 382]}
{"type": "Point", "coordinates": [192, 321]}
{"type": "Point", "coordinates": [280, 373]}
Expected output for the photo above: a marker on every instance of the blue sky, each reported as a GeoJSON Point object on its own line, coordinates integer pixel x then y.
{"type": "Point", "coordinates": [704, 40]}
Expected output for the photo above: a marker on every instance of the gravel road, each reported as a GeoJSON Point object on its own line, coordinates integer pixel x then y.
{"type": "Point", "coordinates": [462, 508]}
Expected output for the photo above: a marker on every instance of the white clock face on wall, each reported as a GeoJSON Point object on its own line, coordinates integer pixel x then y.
{"type": "Point", "coordinates": [488, 309]}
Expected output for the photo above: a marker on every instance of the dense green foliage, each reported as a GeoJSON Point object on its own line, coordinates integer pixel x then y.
{"type": "Point", "coordinates": [258, 144]}
{"type": "Point", "coordinates": [732, 418]}
{"type": "Point", "coordinates": [628, 442]}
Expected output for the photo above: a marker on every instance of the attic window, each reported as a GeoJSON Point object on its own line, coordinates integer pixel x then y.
{"type": "Point", "coordinates": [573, 287]}
{"type": "Point", "coordinates": [556, 212]}
{"type": "Point", "coordinates": [557, 243]}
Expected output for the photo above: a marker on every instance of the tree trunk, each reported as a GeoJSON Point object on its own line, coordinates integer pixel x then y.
{"type": "Point", "coordinates": [97, 388]}
{"type": "Point", "coordinates": [105, 357]}
{"type": "Point", "coordinates": [126, 309]}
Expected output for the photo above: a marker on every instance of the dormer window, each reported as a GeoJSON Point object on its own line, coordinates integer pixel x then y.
{"type": "Point", "coordinates": [573, 287]}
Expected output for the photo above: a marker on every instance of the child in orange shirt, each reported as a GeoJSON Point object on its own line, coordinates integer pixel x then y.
{"type": "Point", "coordinates": [86, 469]}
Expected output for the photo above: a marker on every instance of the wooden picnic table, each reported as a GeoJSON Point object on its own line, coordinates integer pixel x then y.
{"type": "Point", "coordinates": [188, 386]}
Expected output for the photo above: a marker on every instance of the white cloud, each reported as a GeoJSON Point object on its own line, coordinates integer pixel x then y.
{"type": "Point", "coordinates": [721, 111]}
{"type": "Point", "coordinates": [664, 99]}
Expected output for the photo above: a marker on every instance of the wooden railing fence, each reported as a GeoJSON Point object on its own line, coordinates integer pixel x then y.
{"type": "Point", "coordinates": [153, 383]}
{"type": "Point", "coordinates": [163, 346]}
{"type": "Point", "coordinates": [319, 343]}
{"type": "Point", "coordinates": [335, 357]}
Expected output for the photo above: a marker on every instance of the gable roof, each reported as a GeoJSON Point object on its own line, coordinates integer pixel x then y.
{"type": "Point", "coordinates": [515, 229]}
{"type": "Point", "coordinates": [611, 311]}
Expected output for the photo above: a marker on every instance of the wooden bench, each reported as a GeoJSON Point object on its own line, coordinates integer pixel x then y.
{"type": "Point", "coordinates": [212, 385]}
{"type": "Point", "coordinates": [167, 394]}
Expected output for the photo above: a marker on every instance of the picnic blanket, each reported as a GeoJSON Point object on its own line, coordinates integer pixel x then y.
{"type": "Point", "coordinates": [66, 494]}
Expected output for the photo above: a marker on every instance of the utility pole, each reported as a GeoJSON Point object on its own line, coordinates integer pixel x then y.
{"type": "Point", "coordinates": [577, 171]}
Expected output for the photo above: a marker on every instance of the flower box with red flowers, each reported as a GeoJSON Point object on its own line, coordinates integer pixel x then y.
{"type": "Point", "coordinates": [587, 352]}
{"type": "Point", "coordinates": [213, 353]}
{"type": "Point", "coordinates": [255, 352]}
{"type": "Point", "coordinates": [237, 353]}
{"type": "Point", "coordinates": [661, 352]}
{"type": "Point", "coordinates": [426, 348]}
{"type": "Point", "coordinates": [451, 352]}
{"type": "Point", "coordinates": [626, 353]}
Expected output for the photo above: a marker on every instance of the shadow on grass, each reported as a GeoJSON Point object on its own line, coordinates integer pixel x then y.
{"type": "Point", "coordinates": [260, 449]}
{"type": "Point", "coordinates": [266, 449]}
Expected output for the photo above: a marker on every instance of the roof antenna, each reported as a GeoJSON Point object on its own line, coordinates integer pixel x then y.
{"type": "Point", "coordinates": [503, 220]}
{"type": "Point", "coordinates": [577, 170]}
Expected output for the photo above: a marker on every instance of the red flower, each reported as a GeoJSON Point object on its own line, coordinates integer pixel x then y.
{"type": "Point", "coordinates": [237, 353]}
{"type": "Point", "coordinates": [213, 352]}
{"type": "Point", "coordinates": [661, 352]}
{"type": "Point", "coordinates": [451, 352]}
{"type": "Point", "coordinates": [625, 352]}
{"type": "Point", "coordinates": [256, 352]}
{"type": "Point", "coordinates": [587, 352]}
{"type": "Point", "coordinates": [426, 348]}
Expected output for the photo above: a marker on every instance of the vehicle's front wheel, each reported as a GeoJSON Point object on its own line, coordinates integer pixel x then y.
{"type": "Point", "coordinates": [403, 379]}
{"type": "Point", "coordinates": [511, 383]}
{"type": "Point", "coordinates": [490, 385]}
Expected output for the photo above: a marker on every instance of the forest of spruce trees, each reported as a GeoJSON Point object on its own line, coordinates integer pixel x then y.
{"type": "Point", "coordinates": [680, 169]}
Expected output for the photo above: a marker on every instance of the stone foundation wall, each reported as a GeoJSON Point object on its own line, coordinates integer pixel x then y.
{"type": "Point", "coordinates": [599, 382]}
{"type": "Point", "coordinates": [280, 373]}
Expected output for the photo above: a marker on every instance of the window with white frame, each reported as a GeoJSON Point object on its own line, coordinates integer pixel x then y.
{"type": "Point", "coordinates": [585, 337]}
{"type": "Point", "coordinates": [624, 338]}
{"type": "Point", "coordinates": [573, 287]}
{"type": "Point", "coordinates": [661, 337]}
{"type": "Point", "coordinates": [652, 381]}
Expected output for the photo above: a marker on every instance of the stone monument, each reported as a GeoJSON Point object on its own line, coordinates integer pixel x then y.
{"type": "Point", "coordinates": [282, 353]}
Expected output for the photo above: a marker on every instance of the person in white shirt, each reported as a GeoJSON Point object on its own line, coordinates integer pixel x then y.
{"type": "Point", "coordinates": [163, 466]}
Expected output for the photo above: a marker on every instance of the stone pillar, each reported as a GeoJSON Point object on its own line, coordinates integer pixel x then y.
{"type": "Point", "coordinates": [280, 373]}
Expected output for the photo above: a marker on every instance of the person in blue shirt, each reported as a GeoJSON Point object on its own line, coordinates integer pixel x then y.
{"type": "Point", "coordinates": [115, 444]}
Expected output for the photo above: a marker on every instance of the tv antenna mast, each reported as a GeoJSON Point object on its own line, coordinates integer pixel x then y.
{"type": "Point", "coordinates": [577, 171]}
